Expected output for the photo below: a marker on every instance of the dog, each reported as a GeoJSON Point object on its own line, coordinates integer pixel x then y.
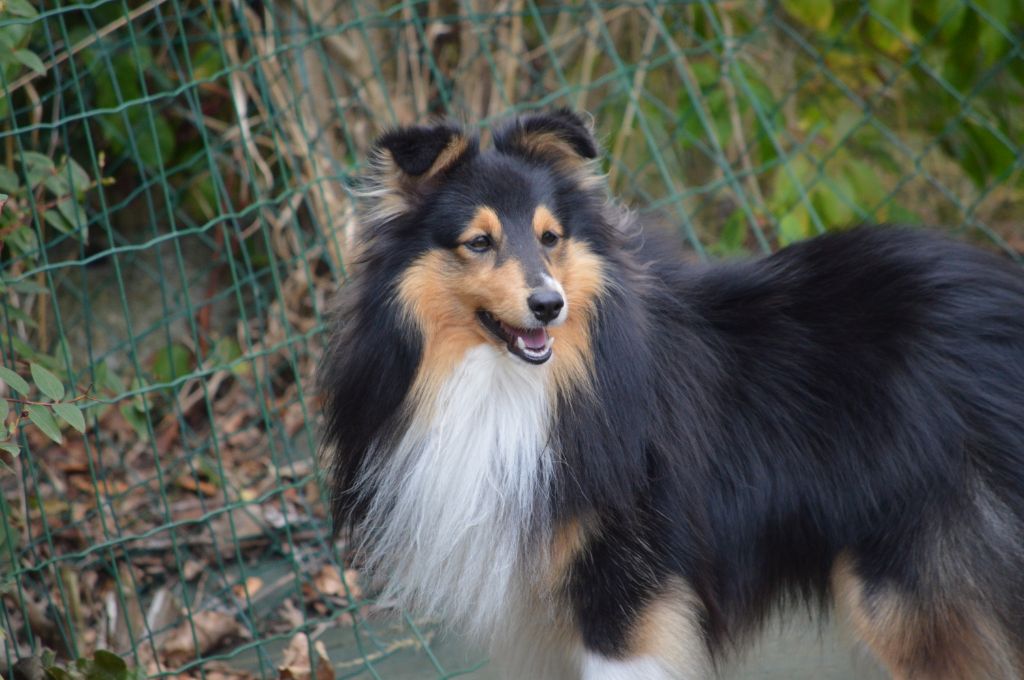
{"type": "Point", "coordinates": [546, 428]}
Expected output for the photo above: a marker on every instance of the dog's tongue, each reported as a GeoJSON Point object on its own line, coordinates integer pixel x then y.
{"type": "Point", "coordinates": [534, 338]}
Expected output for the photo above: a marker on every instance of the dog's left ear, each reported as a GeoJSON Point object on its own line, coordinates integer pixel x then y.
{"type": "Point", "coordinates": [562, 138]}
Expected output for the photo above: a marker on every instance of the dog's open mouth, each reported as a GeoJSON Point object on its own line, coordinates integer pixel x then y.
{"type": "Point", "coordinates": [529, 344]}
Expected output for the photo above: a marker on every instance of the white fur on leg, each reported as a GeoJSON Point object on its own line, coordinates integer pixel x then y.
{"type": "Point", "coordinates": [597, 667]}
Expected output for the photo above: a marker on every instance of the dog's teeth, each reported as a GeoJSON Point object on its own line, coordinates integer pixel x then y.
{"type": "Point", "coordinates": [520, 344]}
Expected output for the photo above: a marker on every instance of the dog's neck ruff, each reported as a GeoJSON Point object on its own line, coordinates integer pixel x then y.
{"type": "Point", "coordinates": [462, 494]}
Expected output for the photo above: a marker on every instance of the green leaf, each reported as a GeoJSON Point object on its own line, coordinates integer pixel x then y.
{"type": "Point", "coordinates": [31, 60]}
{"type": "Point", "coordinates": [56, 220]}
{"type": "Point", "coordinates": [20, 316]}
{"type": "Point", "coordinates": [889, 24]}
{"type": "Point", "coordinates": [734, 234]}
{"type": "Point", "coordinates": [897, 213]}
{"type": "Point", "coordinates": [172, 362]}
{"type": "Point", "coordinates": [70, 179]}
{"type": "Point", "coordinates": [10, 448]}
{"type": "Point", "coordinates": [135, 418]}
{"type": "Point", "coordinates": [867, 186]}
{"type": "Point", "coordinates": [8, 538]}
{"type": "Point", "coordinates": [72, 415]}
{"type": "Point", "coordinates": [984, 156]}
{"type": "Point", "coordinates": [790, 180]}
{"type": "Point", "coordinates": [108, 380]}
{"type": "Point", "coordinates": [14, 381]}
{"type": "Point", "coordinates": [948, 14]}
{"type": "Point", "coordinates": [206, 61]}
{"type": "Point", "coordinates": [155, 144]}
{"type": "Point", "coordinates": [9, 181]}
{"type": "Point", "coordinates": [833, 200]}
{"type": "Point", "coordinates": [14, 36]}
{"type": "Point", "coordinates": [21, 8]}
{"type": "Point", "coordinates": [79, 177]}
{"type": "Point", "coordinates": [794, 227]}
{"type": "Point", "coordinates": [47, 382]}
{"type": "Point", "coordinates": [73, 212]}
{"type": "Point", "coordinates": [106, 666]}
{"type": "Point", "coordinates": [43, 419]}
{"type": "Point", "coordinates": [5, 410]}
{"type": "Point", "coordinates": [28, 287]}
{"type": "Point", "coordinates": [57, 673]}
{"type": "Point", "coordinates": [37, 167]}
{"type": "Point", "coordinates": [816, 14]}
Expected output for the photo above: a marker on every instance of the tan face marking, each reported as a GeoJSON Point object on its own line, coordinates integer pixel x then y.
{"type": "Point", "coordinates": [441, 293]}
{"type": "Point", "coordinates": [581, 274]}
{"type": "Point", "coordinates": [544, 220]}
{"type": "Point", "coordinates": [443, 290]}
{"type": "Point", "coordinates": [485, 222]}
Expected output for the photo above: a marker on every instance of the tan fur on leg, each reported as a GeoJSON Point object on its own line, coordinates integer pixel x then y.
{"type": "Point", "coordinates": [944, 638]}
{"type": "Point", "coordinates": [669, 631]}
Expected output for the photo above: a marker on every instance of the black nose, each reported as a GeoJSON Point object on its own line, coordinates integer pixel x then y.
{"type": "Point", "coordinates": [545, 304]}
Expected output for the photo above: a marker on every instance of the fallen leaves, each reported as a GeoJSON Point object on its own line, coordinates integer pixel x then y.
{"type": "Point", "coordinates": [329, 582]}
{"type": "Point", "coordinates": [206, 631]}
{"type": "Point", "coordinates": [297, 665]}
{"type": "Point", "coordinates": [244, 591]}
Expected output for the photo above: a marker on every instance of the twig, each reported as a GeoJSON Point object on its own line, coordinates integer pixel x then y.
{"type": "Point", "coordinates": [734, 112]}
{"type": "Point", "coordinates": [638, 83]}
{"type": "Point", "coordinates": [29, 402]}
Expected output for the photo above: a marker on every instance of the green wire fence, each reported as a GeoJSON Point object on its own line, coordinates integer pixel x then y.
{"type": "Point", "coordinates": [178, 179]}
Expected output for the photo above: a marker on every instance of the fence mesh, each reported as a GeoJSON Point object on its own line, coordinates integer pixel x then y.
{"type": "Point", "coordinates": [178, 175]}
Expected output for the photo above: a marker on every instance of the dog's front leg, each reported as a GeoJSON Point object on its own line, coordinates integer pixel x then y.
{"type": "Point", "coordinates": [661, 640]}
{"type": "Point", "coordinates": [598, 667]}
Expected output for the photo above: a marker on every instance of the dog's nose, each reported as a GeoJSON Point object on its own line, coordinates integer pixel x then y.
{"type": "Point", "coordinates": [545, 304]}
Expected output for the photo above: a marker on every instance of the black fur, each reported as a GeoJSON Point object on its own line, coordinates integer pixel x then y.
{"type": "Point", "coordinates": [415, 149]}
{"type": "Point", "coordinates": [563, 123]}
{"type": "Point", "coordinates": [860, 393]}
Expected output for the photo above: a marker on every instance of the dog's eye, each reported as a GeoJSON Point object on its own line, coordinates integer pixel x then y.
{"type": "Point", "coordinates": [549, 238]}
{"type": "Point", "coordinates": [480, 244]}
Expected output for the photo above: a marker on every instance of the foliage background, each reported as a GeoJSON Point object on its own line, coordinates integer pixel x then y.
{"type": "Point", "coordinates": [179, 176]}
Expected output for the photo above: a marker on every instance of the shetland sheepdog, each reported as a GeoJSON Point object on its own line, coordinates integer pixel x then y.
{"type": "Point", "coordinates": [548, 429]}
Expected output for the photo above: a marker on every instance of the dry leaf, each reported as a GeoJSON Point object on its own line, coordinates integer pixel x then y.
{"type": "Point", "coordinates": [193, 568]}
{"type": "Point", "coordinates": [291, 614]}
{"type": "Point", "coordinates": [211, 630]}
{"type": "Point", "coordinates": [296, 664]}
{"type": "Point", "coordinates": [294, 418]}
{"type": "Point", "coordinates": [250, 587]}
{"type": "Point", "coordinates": [328, 581]}
{"type": "Point", "coordinates": [192, 484]}
{"type": "Point", "coordinates": [351, 577]}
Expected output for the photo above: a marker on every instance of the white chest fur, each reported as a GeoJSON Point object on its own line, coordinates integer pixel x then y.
{"type": "Point", "coordinates": [454, 500]}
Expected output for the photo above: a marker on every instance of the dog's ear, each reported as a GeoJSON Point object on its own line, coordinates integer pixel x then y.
{"type": "Point", "coordinates": [407, 162]}
{"type": "Point", "coordinates": [562, 138]}
{"type": "Point", "coordinates": [424, 151]}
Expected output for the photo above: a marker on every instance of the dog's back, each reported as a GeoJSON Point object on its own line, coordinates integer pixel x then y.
{"type": "Point", "coordinates": [865, 440]}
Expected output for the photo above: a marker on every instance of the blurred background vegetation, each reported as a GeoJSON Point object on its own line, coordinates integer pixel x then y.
{"type": "Point", "coordinates": [178, 176]}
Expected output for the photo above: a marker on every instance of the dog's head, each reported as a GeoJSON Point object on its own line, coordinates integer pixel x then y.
{"type": "Point", "coordinates": [494, 246]}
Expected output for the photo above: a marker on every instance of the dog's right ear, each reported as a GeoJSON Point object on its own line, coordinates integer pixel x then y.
{"type": "Point", "coordinates": [424, 151]}
{"type": "Point", "coordinates": [407, 162]}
